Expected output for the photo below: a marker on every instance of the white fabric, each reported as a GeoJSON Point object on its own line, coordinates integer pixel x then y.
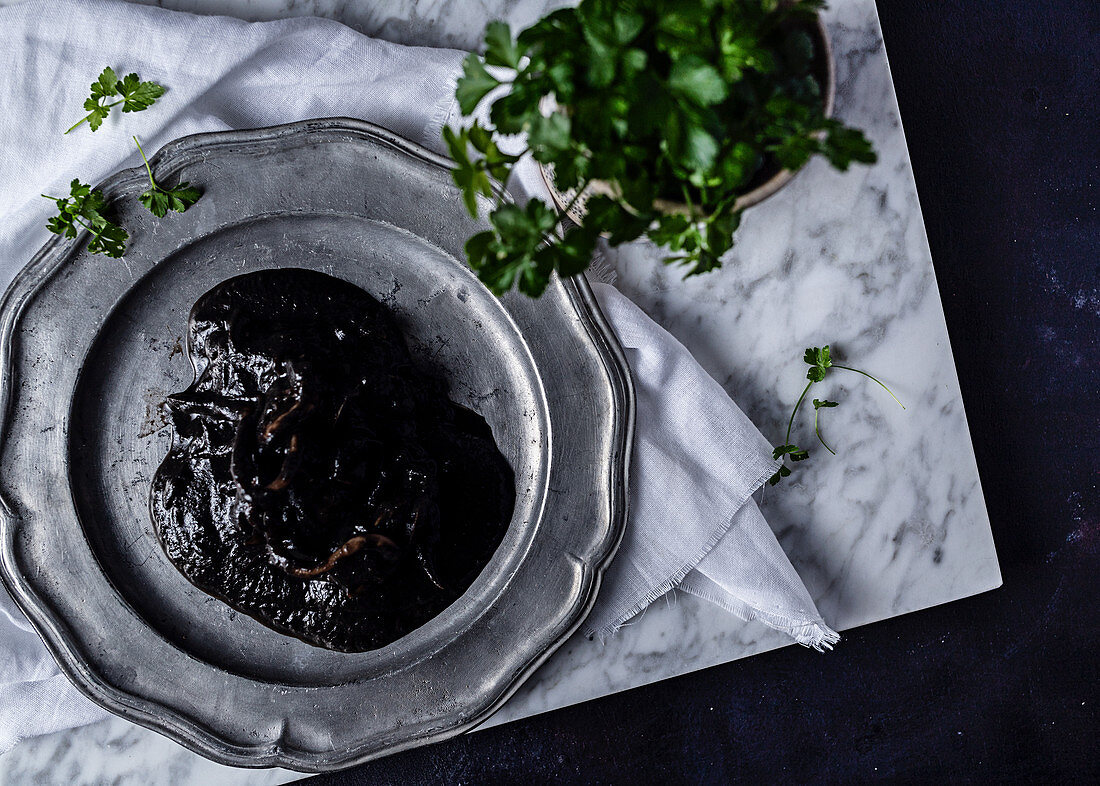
{"type": "Point", "coordinates": [697, 457]}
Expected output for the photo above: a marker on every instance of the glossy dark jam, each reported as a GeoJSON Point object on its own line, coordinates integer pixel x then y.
{"type": "Point", "coordinates": [319, 481]}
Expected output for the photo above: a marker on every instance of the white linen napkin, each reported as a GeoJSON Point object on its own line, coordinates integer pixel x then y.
{"type": "Point", "coordinates": [692, 522]}
{"type": "Point", "coordinates": [697, 458]}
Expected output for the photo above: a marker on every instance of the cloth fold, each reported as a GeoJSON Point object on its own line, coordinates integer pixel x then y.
{"type": "Point", "coordinates": [693, 523]}
{"type": "Point", "coordinates": [697, 458]}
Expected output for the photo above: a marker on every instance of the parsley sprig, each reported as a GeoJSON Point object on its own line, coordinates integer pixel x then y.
{"type": "Point", "coordinates": [159, 200]}
{"type": "Point", "coordinates": [653, 103]}
{"type": "Point", "coordinates": [132, 93]}
{"type": "Point", "coordinates": [820, 361]}
{"type": "Point", "coordinates": [85, 208]}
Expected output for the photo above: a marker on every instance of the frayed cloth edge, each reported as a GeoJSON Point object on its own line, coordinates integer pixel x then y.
{"type": "Point", "coordinates": [813, 633]}
{"type": "Point", "coordinates": [608, 629]}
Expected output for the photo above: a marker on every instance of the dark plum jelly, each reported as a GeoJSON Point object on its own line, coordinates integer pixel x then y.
{"type": "Point", "coordinates": [318, 480]}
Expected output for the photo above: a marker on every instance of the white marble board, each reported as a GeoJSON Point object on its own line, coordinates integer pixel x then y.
{"type": "Point", "coordinates": [894, 523]}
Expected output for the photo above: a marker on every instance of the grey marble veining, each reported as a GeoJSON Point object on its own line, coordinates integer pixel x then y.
{"type": "Point", "coordinates": [894, 523]}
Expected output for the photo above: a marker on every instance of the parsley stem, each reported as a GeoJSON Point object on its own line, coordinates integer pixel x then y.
{"type": "Point", "coordinates": [146, 162]}
{"type": "Point", "coordinates": [690, 208]}
{"type": "Point", "coordinates": [805, 390]}
{"type": "Point", "coordinates": [77, 219]}
{"type": "Point", "coordinates": [94, 232]}
{"type": "Point", "coordinates": [84, 119]}
{"type": "Point", "coordinates": [864, 373]}
{"type": "Point", "coordinates": [817, 431]}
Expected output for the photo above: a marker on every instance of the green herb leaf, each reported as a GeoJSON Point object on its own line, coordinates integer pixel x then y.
{"type": "Point", "coordinates": [481, 138]}
{"type": "Point", "coordinates": [844, 145]}
{"type": "Point", "coordinates": [138, 95]}
{"type": "Point", "coordinates": [603, 56]}
{"type": "Point", "coordinates": [500, 49]}
{"type": "Point", "coordinates": [473, 180]}
{"type": "Point", "coordinates": [109, 240]}
{"type": "Point", "coordinates": [515, 252]}
{"type": "Point", "coordinates": [96, 114]}
{"type": "Point", "coordinates": [690, 146]}
{"type": "Point", "coordinates": [549, 136]}
{"type": "Point", "coordinates": [80, 191]}
{"type": "Point", "coordinates": [796, 453]}
{"type": "Point", "coordinates": [84, 209]}
{"type": "Point", "coordinates": [105, 85]}
{"type": "Point", "coordinates": [632, 62]}
{"type": "Point", "coordinates": [700, 149]}
{"type": "Point", "coordinates": [510, 257]}
{"type": "Point", "coordinates": [574, 253]}
{"type": "Point", "coordinates": [457, 144]}
{"type": "Point", "coordinates": [156, 202]}
{"type": "Point", "coordinates": [784, 472]}
{"type": "Point", "coordinates": [603, 211]}
{"type": "Point", "coordinates": [819, 404]}
{"type": "Point", "coordinates": [627, 24]}
{"type": "Point", "coordinates": [472, 175]}
{"type": "Point", "coordinates": [699, 81]}
{"type": "Point", "coordinates": [160, 200]}
{"type": "Point", "coordinates": [670, 230]}
{"type": "Point", "coordinates": [818, 359]}
{"type": "Point", "coordinates": [474, 84]}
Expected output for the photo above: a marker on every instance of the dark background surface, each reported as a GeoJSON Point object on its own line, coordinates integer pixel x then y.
{"type": "Point", "coordinates": [1000, 104]}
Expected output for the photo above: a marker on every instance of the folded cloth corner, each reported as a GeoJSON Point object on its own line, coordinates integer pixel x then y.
{"type": "Point", "coordinates": [693, 523]}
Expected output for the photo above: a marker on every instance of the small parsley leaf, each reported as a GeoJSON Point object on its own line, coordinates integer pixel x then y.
{"type": "Point", "coordinates": [138, 95]}
{"type": "Point", "coordinates": [472, 174]}
{"type": "Point", "coordinates": [474, 84]}
{"type": "Point", "coordinates": [105, 85]}
{"type": "Point", "coordinates": [818, 359]}
{"type": "Point", "coordinates": [698, 81]}
{"type": "Point", "coordinates": [500, 49]}
{"type": "Point", "coordinates": [110, 240]}
{"type": "Point", "coordinates": [96, 114]}
{"type": "Point", "coordinates": [513, 253]}
{"type": "Point", "coordinates": [783, 472]}
{"type": "Point", "coordinates": [549, 136]}
{"type": "Point", "coordinates": [796, 453]}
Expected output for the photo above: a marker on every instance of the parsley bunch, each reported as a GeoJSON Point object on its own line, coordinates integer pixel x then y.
{"type": "Point", "coordinates": [819, 360]}
{"type": "Point", "coordinates": [659, 102]}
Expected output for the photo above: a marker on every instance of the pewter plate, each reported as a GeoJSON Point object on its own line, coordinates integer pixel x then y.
{"type": "Point", "coordinates": [90, 346]}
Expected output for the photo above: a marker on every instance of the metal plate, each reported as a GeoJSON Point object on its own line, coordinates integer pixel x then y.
{"type": "Point", "coordinates": [90, 346]}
